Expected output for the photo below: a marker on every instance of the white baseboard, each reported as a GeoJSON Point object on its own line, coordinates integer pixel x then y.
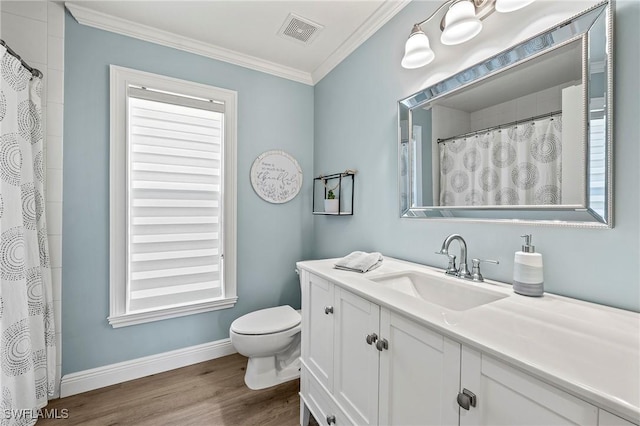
{"type": "Point", "coordinates": [108, 375]}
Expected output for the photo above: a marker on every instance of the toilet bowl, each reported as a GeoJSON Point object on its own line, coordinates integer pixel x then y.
{"type": "Point", "coordinates": [270, 338]}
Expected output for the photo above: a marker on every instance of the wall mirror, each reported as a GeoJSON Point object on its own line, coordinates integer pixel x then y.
{"type": "Point", "coordinates": [524, 136]}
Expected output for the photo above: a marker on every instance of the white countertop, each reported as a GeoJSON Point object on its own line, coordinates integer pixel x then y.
{"type": "Point", "coordinates": [589, 350]}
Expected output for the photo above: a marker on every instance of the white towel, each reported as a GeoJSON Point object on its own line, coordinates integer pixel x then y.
{"type": "Point", "coordinates": [359, 261]}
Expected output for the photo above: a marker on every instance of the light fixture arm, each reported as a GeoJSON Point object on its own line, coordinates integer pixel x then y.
{"type": "Point", "coordinates": [484, 8]}
{"type": "Point", "coordinates": [442, 6]}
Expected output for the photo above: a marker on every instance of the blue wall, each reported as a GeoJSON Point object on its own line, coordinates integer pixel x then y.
{"type": "Point", "coordinates": [271, 238]}
{"type": "Point", "coordinates": [355, 127]}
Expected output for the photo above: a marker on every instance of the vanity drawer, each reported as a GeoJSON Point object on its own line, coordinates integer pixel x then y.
{"type": "Point", "coordinates": [321, 405]}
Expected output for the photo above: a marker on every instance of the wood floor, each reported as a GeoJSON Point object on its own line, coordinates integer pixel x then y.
{"type": "Point", "coordinates": [209, 393]}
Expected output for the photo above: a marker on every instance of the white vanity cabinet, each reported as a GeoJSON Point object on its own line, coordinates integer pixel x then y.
{"type": "Point", "coordinates": [370, 365]}
{"type": "Point", "coordinates": [363, 364]}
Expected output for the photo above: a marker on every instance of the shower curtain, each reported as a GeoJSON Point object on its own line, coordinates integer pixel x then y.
{"type": "Point", "coordinates": [27, 334]}
{"type": "Point", "coordinates": [516, 165]}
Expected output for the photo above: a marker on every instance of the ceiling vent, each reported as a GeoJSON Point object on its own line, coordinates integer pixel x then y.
{"type": "Point", "coordinates": [299, 29]}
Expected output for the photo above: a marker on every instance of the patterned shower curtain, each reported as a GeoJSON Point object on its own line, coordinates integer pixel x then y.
{"type": "Point", "coordinates": [27, 334]}
{"type": "Point", "coordinates": [516, 165]}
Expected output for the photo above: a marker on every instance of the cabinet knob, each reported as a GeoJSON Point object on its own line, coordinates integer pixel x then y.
{"type": "Point", "coordinates": [466, 399]}
{"type": "Point", "coordinates": [382, 344]}
{"type": "Point", "coordinates": [371, 338]}
{"type": "Point", "coordinates": [331, 419]}
{"type": "Point", "coordinates": [328, 310]}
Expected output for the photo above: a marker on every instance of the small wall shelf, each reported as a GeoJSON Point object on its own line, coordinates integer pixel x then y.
{"type": "Point", "coordinates": [342, 186]}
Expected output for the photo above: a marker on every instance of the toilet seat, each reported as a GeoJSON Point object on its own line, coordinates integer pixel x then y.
{"type": "Point", "coordinates": [267, 321]}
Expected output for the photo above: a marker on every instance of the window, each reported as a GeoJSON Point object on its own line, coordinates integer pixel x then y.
{"type": "Point", "coordinates": [172, 198]}
{"type": "Point", "coordinates": [597, 156]}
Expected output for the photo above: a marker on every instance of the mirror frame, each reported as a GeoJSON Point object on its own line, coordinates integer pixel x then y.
{"type": "Point", "coordinates": [575, 28]}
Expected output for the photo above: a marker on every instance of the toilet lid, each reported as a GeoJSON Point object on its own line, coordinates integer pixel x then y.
{"type": "Point", "coordinates": [265, 321]}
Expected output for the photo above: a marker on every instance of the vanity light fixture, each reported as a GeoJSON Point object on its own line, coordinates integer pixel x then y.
{"type": "Point", "coordinates": [461, 23]}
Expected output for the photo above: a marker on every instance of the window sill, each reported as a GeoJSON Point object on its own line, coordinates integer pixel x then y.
{"type": "Point", "coordinates": [124, 320]}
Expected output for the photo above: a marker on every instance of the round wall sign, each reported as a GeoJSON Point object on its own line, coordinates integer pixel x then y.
{"type": "Point", "coordinates": [276, 176]}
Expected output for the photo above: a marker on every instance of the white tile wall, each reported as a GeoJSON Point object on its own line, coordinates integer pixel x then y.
{"type": "Point", "coordinates": [54, 218]}
{"type": "Point", "coordinates": [54, 152]}
{"type": "Point", "coordinates": [55, 86]}
{"type": "Point", "coordinates": [56, 278]}
{"type": "Point", "coordinates": [34, 10]}
{"type": "Point", "coordinates": [55, 117]}
{"type": "Point", "coordinates": [55, 20]}
{"type": "Point", "coordinates": [542, 102]}
{"type": "Point", "coordinates": [25, 36]}
{"type": "Point", "coordinates": [55, 53]}
{"type": "Point", "coordinates": [55, 251]}
{"type": "Point", "coordinates": [35, 30]}
{"type": "Point", "coordinates": [54, 185]}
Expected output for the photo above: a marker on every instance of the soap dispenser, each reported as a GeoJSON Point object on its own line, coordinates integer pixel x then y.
{"type": "Point", "coordinates": [528, 277]}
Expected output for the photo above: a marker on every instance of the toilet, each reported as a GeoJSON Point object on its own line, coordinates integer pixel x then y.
{"type": "Point", "coordinates": [270, 338]}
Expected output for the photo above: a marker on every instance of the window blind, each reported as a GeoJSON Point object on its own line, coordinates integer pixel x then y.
{"type": "Point", "coordinates": [174, 200]}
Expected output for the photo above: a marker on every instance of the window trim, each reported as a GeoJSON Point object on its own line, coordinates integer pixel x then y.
{"type": "Point", "coordinates": [120, 79]}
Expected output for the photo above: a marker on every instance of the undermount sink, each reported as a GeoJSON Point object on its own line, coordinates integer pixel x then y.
{"type": "Point", "coordinates": [444, 291]}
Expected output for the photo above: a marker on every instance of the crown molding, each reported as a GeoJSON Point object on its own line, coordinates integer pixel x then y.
{"type": "Point", "coordinates": [103, 21]}
{"type": "Point", "coordinates": [125, 27]}
{"type": "Point", "coordinates": [381, 16]}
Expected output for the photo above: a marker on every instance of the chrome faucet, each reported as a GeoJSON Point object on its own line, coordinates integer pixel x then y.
{"type": "Point", "coordinates": [463, 271]}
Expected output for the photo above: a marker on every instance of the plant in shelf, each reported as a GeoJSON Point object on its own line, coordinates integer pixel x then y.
{"type": "Point", "coordinates": [331, 204]}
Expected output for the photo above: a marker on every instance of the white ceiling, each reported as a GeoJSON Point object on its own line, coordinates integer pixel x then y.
{"type": "Point", "coordinates": [245, 32]}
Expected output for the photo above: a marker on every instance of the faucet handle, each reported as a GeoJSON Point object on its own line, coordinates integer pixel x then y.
{"type": "Point", "coordinates": [451, 268]}
{"type": "Point", "coordinates": [475, 268]}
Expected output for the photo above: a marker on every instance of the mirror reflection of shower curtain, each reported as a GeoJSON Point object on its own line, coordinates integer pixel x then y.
{"type": "Point", "coordinates": [515, 165]}
{"type": "Point", "coordinates": [27, 333]}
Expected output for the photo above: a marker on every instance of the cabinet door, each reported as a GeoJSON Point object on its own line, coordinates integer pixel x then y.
{"type": "Point", "coordinates": [317, 327]}
{"type": "Point", "coordinates": [355, 384]}
{"type": "Point", "coordinates": [506, 396]}
{"type": "Point", "coordinates": [419, 374]}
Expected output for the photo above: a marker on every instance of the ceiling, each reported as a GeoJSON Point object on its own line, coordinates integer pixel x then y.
{"type": "Point", "coordinates": [246, 32]}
